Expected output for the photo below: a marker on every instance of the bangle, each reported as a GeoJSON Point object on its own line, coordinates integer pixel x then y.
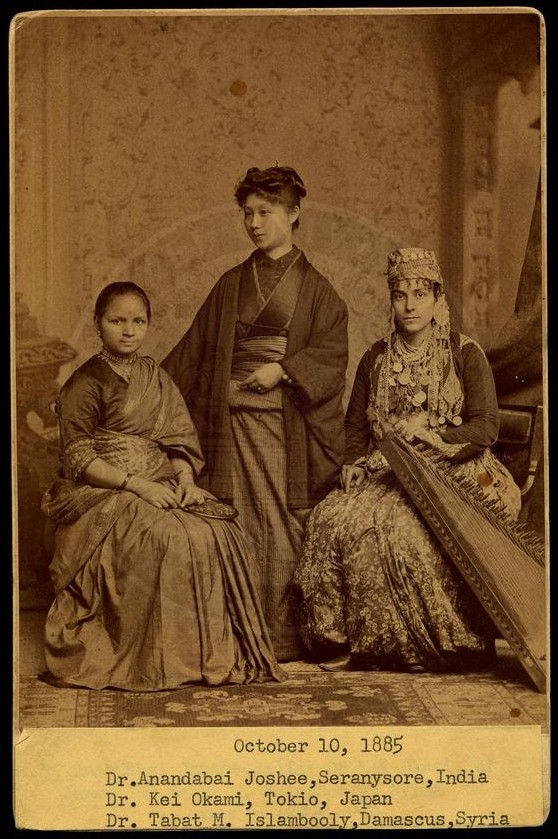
{"type": "Point", "coordinates": [124, 483]}
{"type": "Point", "coordinates": [287, 379]}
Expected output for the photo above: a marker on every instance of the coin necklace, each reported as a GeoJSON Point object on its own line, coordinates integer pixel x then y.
{"type": "Point", "coordinates": [411, 369]}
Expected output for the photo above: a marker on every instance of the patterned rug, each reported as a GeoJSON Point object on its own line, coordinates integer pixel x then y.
{"type": "Point", "coordinates": [310, 696]}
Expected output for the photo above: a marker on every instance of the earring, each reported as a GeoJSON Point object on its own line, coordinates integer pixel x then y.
{"type": "Point", "coordinates": [391, 322]}
{"type": "Point", "coordinates": [441, 316]}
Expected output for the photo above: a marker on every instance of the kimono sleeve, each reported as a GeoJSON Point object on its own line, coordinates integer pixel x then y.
{"type": "Point", "coordinates": [318, 368]}
{"type": "Point", "coordinates": [195, 355]}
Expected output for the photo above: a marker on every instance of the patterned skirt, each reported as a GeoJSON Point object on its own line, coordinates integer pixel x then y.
{"type": "Point", "coordinates": [373, 580]}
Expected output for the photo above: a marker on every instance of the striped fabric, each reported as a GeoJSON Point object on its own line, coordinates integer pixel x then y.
{"type": "Point", "coordinates": [260, 495]}
{"type": "Point", "coordinates": [251, 353]}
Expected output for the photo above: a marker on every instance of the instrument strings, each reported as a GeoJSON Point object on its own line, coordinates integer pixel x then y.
{"type": "Point", "coordinates": [472, 495]}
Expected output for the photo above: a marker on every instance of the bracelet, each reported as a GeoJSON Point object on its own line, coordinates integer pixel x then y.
{"type": "Point", "coordinates": [287, 379]}
{"type": "Point", "coordinates": [124, 483]}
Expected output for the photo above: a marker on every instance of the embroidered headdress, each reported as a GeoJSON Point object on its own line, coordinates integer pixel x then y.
{"type": "Point", "coordinates": [413, 264]}
{"type": "Point", "coordinates": [420, 379]}
{"type": "Point", "coordinates": [408, 264]}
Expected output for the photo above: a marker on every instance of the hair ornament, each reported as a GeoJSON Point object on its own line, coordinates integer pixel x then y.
{"type": "Point", "coordinates": [413, 264]}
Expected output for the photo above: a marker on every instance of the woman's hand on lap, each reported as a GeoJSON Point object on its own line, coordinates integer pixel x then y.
{"type": "Point", "coordinates": [352, 477]}
{"type": "Point", "coordinates": [431, 437]}
{"type": "Point", "coordinates": [411, 427]}
{"type": "Point", "coordinates": [189, 495]}
{"type": "Point", "coordinates": [160, 495]}
{"type": "Point", "coordinates": [186, 492]}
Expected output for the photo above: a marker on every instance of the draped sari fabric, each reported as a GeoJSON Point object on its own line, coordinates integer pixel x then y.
{"type": "Point", "coordinates": [146, 599]}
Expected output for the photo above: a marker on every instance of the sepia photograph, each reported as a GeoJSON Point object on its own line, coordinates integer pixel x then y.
{"type": "Point", "coordinates": [279, 418]}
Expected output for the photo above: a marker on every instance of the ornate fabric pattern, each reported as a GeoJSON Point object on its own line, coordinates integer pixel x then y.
{"type": "Point", "coordinates": [372, 577]}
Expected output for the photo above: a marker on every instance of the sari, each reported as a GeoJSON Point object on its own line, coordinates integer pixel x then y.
{"type": "Point", "coordinates": [146, 598]}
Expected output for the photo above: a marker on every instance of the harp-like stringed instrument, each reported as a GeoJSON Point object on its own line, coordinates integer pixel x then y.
{"type": "Point", "coordinates": [502, 562]}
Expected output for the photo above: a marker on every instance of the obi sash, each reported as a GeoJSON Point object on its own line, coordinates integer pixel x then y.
{"type": "Point", "coordinates": [263, 325]}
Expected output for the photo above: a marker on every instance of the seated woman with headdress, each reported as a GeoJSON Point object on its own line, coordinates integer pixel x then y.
{"type": "Point", "coordinates": [373, 582]}
{"type": "Point", "coordinates": [155, 586]}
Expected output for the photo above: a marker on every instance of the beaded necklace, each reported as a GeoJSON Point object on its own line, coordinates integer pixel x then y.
{"type": "Point", "coordinates": [415, 380]}
{"type": "Point", "coordinates": [120, 364]}
{"type": "Point", "coordinates": [411, 381]}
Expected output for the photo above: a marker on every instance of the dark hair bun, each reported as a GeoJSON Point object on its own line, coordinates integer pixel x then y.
{"type": "Point", "coordinates": [282, 182]}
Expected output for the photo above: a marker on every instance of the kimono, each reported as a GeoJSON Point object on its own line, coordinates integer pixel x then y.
{"type": "Point", "coordinates": [372, 579]}
{"type": "Point", "coordinates": [146, 598]}
{"type": "Point", "coordinates": [272, 455]}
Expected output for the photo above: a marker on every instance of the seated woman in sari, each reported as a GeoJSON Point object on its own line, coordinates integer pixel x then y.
{"type": "Point", "coordinates": [376, 590]}
{"type": "Point", "coordinates": [149, 594]}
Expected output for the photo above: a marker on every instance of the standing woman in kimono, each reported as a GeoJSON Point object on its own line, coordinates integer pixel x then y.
{"type": "Point", "coordinates": [262, 369]}
{"type": "Point", "coordinates": [150, 594]}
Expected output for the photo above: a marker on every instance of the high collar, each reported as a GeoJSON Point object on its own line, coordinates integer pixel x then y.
{"type": "Point", "coordinates": [281, 262]}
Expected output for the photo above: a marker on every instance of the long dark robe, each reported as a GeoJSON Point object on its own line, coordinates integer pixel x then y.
{"type": "Point", "coordinates": [316, 358]}
{"type": "Point", "coordinates": [273, 455]}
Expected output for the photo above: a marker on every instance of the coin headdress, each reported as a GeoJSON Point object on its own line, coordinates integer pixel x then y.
{"type": "Point", "coordinates": [420, 379]}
